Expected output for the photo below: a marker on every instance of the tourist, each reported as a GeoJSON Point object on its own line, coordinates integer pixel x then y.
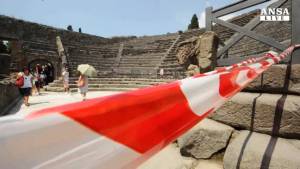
{"type": "Point", "coordinates": [25, 90]}
{"type": "Point", "coordinates": [44, 75]}
{"type": "Point", "coordinates": [161, 72]}
{"type": "Point", "coordinates": [82, 84]}
{"type": "Point", "coordinates": [37, 78]}
{"type": "Point", "coordinates": [46, 71]}
{"type": "Point", "coordinates": [49, 73]}
{"type": "Point", "coordinates": [65, 75]}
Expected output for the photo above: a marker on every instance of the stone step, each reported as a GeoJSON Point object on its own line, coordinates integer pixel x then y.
{"type": "Point", "coordinates": [114, 82]}
{"type": "Point", "coordinates": [143, 51]}
{"type": "Point", "coordinates": [107, 89]}
{"type": "Point", "coordinates": [238, 112]}
{"type": "Point", "coordinates": [171, 66]}
{"type": "Point", "coordinates": [170, 60]}
{"type": "Point", "coordinates": [129, 66]}
{"type": "Point", "coordinates": [254, 150]}
{"type": "Point", "coordinates": [96, 65]}
{"type": "Point", "coordinates": [174, 69]}
{"type": "Point", "coordinates": [121, 79]}
{"type": "Point", "coordinates": [105, 85]}
{"type": "Point", "coordinates": [60, 89]}
{"type": "Point", "coordinates": [74, 66]}
{"type": "Point", "coordinates": [99, 58]}
{"type": "Point", "coordinates": [137, 62]}
{"type": "Point", "coordinates": [274, 84]}
{"type": "Point", "coordinates": [84, 61]}
{"type": "Point", "coordinates": [134, 63]}
{"type": "Point", "coordinates": [79, 60]}
{"type": "Point", "coordinates": [141, 57]}
{"type": "Point", "coordinates": [152, 76]}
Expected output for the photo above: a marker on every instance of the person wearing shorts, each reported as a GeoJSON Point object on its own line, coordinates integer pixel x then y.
{"type": "Point", "coordinates": [25, 90]}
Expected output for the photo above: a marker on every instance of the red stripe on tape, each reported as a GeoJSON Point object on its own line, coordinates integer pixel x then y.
{"type": "Point", "coordinates": [139, 119]}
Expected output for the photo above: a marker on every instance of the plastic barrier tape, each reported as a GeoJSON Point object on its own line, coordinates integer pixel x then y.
{"type": "Point", "coordinates": [123, 130]}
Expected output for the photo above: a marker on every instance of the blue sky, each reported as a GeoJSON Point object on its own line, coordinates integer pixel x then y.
{"type": "Point", "coordinates": [111, 17]}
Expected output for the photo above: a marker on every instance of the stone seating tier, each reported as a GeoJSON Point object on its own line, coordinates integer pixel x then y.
{"type": "Point", "coordinates": [109, 84]}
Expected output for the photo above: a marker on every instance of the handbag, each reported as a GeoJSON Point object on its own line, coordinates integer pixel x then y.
{"type": "Point", "coordinates": [20, 82]}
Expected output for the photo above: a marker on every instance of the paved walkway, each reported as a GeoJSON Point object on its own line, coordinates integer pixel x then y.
{"type": "Point", "coordinates": [50, 99]}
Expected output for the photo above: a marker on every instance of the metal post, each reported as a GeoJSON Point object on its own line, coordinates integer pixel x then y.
{"type": "Point", "coordinates": [296, 29]}
{"type": "Point", "coordinates": [208, 18]}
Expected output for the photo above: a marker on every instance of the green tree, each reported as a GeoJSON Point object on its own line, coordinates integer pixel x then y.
{"type": "Point", "coordinates": [70, 28]}
{"type": "Point", "coordinates": [194, 23]}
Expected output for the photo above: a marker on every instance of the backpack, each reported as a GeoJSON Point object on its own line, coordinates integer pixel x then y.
{"type": "Point", "coordinates": [20, 82]}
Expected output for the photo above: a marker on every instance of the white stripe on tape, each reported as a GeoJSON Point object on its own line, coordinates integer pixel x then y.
{"type": "Point", "coordinates": [73, 146]}
{"type": "Point", "coordinates": [201, 93]}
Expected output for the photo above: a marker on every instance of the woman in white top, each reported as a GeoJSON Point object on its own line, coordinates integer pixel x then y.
{"type": "Point", "coordinates": [25, 90]}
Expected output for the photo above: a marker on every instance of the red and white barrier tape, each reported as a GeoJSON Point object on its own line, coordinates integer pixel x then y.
{"type": "Point", "coordinates": [121, 131]}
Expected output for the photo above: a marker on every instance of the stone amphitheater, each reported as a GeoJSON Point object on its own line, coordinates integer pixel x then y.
{"type": "Point", "coordinates": [257, 128]}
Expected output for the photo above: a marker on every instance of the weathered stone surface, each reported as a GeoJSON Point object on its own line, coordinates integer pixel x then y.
{"type": "Point", "coordinates": [192, 70]}
{"type": "Point", "coordinates": [205, 139]}
{"type": "Point", "coordinates": [209, 164]}
{"type": "Point", "coordinates": [4, 63]}
{"type": "Point", "coordinates": [285, 154]}
{"type": "Point", "coordinates": [207, 51]}
{"type": "Point", "coordinates": [186, 51]}
{"type": "Point", "coordinates": [201, 51]}
{"type": "Point", "coordinates": [8, 95]}
{"type": "Point", "coordinates": [168, 158]}
{"type": "Point", "coordinates": [273, 80]}
{"type": "Point", "coordinates": [239, 112]}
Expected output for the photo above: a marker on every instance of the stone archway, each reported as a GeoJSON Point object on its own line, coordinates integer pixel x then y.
{"type": "Point", "coordinates": [43, 58]}
{"type": "Point", "coordinates": [49, 68]}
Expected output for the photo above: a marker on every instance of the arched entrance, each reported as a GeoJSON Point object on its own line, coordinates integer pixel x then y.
{"type": "Point", "coordinates": [45, 67]}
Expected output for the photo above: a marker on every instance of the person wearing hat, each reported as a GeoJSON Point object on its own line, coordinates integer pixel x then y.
{"type": "Point", "coordinates": [25, 90]}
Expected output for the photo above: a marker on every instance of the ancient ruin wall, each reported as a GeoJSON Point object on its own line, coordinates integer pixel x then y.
{"type": "Point", "coordinates": [32, 41]}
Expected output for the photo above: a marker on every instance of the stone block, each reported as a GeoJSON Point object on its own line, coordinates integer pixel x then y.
{"type": "Point", "coordinates": [205, 139]}
{"type": "Point", "coordinates": [273, 80]}
{"type": "Point", "coordinates": [256, 112]}
{"type": "Point", "coordinates": [168, 158]}
{"type": "Point", "coordinates": [8, 94]}
{"type": "Point", "coordinates": [254, 151]}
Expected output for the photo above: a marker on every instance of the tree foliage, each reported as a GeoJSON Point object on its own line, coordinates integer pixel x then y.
{"type": "Point", "coordinates": [194, 23]}
{"type": "Point", "coordinates": [69, 28]}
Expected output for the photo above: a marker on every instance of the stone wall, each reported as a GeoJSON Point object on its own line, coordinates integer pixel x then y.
{"type": "Point", "coordinates": [12, 28]}
{"type": "Point", "coordinates": [4, 63]}
{"type": "Point", "coordinates": [31, 41]}
{"type": "Point", "coordinates": [8, 95]}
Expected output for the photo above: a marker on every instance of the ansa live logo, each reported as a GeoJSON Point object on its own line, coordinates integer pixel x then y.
{"type": "Point", "coordinates": [275, 14]}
